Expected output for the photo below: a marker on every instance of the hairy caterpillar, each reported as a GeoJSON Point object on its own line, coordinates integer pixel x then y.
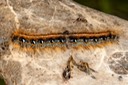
{"type": "Point", "coordinates": [33, 41]}
{"type": "Point", "coordinates": [85, 39]}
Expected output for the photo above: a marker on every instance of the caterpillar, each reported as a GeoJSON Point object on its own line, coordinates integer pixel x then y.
{"type": "Point", "coordinates": [21, 39]}
{"type": "Point", "coordinates": [33, 41]}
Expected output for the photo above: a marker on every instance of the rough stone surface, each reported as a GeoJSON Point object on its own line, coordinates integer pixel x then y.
{"type": "Point", "coordinates": [56, 16]}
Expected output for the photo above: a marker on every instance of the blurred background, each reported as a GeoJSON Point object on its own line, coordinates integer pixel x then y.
{"type": "Point", "coordinates": [115, 7]}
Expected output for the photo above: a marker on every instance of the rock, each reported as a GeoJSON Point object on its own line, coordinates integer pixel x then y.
{"type": "Point", "coordinates": [46, 66]}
